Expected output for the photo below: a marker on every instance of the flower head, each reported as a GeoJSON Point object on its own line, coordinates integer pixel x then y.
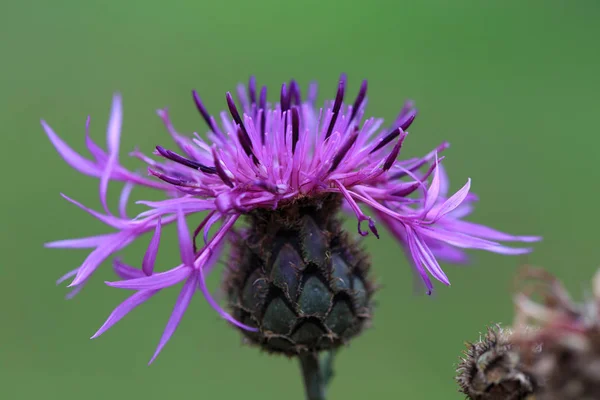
{"type": "Point", "coordinates": [260, 156]}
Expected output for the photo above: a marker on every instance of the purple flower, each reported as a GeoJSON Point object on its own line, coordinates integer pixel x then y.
{"type": "Point", "coordinates": [264, 155]}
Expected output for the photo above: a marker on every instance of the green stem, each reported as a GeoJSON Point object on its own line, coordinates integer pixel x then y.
{"type": "Point", "coordinates": [316, 373]}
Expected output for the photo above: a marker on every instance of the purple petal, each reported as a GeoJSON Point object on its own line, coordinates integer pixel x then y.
{"type": "Point", "coordinates": [187, 205]}
{"type": "Point", "coordinates": [434, 189]}
{"type": "Point", "coordinates": [447, 253]}
{"type": "Point", "coordinates": [418, 266]}
{"type": "Point", "coordinates": [124, 308]}
{"type": "Point", "coordinates": [113, 136]}
{"type": "Point", "coordinates": [67, 276]}
{"type": "Point", "coordinates": [72, 158]}
{"type": "Point", "coordinates": [125, 271]}
{"type": "Point", "coordinates": [82, 243]}
{"type": "Point", "coordinates": [213, 303]}
{"type": "Point", "coordinates": [465, 241]}
{"type": "Point", "coordinates": [124, 198]}
{"type": "Point", "coordinates": [159, 280]}
{"type": "Point", "coordinates": [423, 255]}
{"type": "Point", "coordinates": [107, 219]}
{"type": "Point", "coordinates": [391, 158]}
{"type": "Point", "coordinates": [97, 257]}
{"type": "Point", "coordinates": [485, 232]}
{"type": "Point", "coordinates": [453, 202]}
{"type": "Point", "coordinates": [211, 221]}
{"type": "Point", "coordinates": [95, 150]}
{"type": "Point", "coordinates": [152, 250]}
{"type": "Point", "coordinates": [75, 291]}
{"type": "Point", "coordinates": [182, 303]}
{"type": "Point", "coordinates": [185, 242]}
{"type": "Point", "coordinates": [113, 132]}
{"type": "Point", "coordinates": [444, 181]}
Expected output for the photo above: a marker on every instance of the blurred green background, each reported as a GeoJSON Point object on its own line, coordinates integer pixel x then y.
{"type": "Point", "coordinates": [513, 85]}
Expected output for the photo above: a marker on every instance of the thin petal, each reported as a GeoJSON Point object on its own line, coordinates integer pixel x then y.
{"type": "Point", "coordinates": [124, 198]}
{"type": "Point", "coordinates": [185, 242]}
{"type": "Point", "coordinates": [152, 250]}
{"type": "Point", "coordinates": [67, 276]}
{"type": "Point", "coordinates": [359, 214]}
{"type": "Point", "coordinates": [444, 181]}
{"type": "Point", "coordinates": [95, 150]}
{"type": "Point", "coordinates": [107, 219]}
{"type": "Point", "coordinates": [453, 202]}
{"type": "Point", "coordinates": [465, 241]}
{"type": "Point", "coordinates": [75, 291]}
{"type": "Point", "coordinates": [100, 254]}
{"type": "Point", "coordinates": [434, 189]}
{"type": "Point", "coordinates": [124, 308]}
{"type": "Point", "coordinates": [113, 132]}
{"type": "Point", "coordinates": [447, 253]}
{"type": "Point", "coordinates": [72, 158]}
{"type": "Point", "coordinates": [418, 265]}
{"type": "Point", "coordinates": [211, 221]}
{"type": "Point", "coordinates": [182, 303]}
{"type": "Point", "coordinates": [159, 280]}
{"type": "Point", "coordinates": [125, 271]}
{"type": "Point", "coordinates": [81, 243]}
{"type": "Point", "coordinates": [485, 232]}
{"type": "Point", "coordinates": [113, 136]}
{"type": "Point", "coordinates": [425, 256]}
{"type": "Point", "coordinates": [213, 303]}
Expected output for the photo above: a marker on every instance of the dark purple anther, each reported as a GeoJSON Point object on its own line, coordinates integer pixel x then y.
{"type": "Point", "coordinates": [339, 98]}
{"type": "Point", "coordinates": [390, 136]}
{"type": "Point", "coordinates": [269, 187]}
{"type": "Point", "coordinates": [262, 104]}
{"type": "Point", "coordinates": [246, 143]}
{"type": "Point", "coordinates": [252, 90]}
{"type": "Point", "coordinates": [373, 228]}
{"type": "Point", "coordinates": [406, 116]}
{"type": "Point", "coordinates": [344, 150]}
{"type": "Point", "coordinates": [391, 158]}
{"type": "Point", "coordinates": [233, 110]}
{"type": "Point", "coordinates": [200, 106]}
{"type": "Point", "coordinates": [220, 171]}
{"type": "Point", "coordinates": [405, 191]}
{"type": "Point", "coordinates": [359, 99]}
{"type": "Point", "coordinates": [284, 99]}
{"type": "Point", "coordinates": [199, 228]}
{"type": "Point", "coordinates": [185, 161]}
{"type": "Point", "coordinates": [243, 136]}
{"type": "Point", "coordinates": [406, 122]}
{"type": "Point", "coordinates": [294, 93]}
{"type": "Point", "coordinates": [236, 115]}
{"type": "Point", "coordinates": [170, 179]}
{"type": "Point", "coordinates": [295, 128]}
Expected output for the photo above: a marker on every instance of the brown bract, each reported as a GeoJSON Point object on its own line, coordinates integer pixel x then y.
{"type": "Point", "coordinates": [491, 369]}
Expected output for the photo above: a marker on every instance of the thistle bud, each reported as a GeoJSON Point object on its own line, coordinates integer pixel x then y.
{"type": "Point", "coordinates": [299, 279]}
{"type": "Point", "coordinates": [491, 369]}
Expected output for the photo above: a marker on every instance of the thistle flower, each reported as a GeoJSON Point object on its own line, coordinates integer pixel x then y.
{"type": "Point", "coordinates": [296, 281]}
